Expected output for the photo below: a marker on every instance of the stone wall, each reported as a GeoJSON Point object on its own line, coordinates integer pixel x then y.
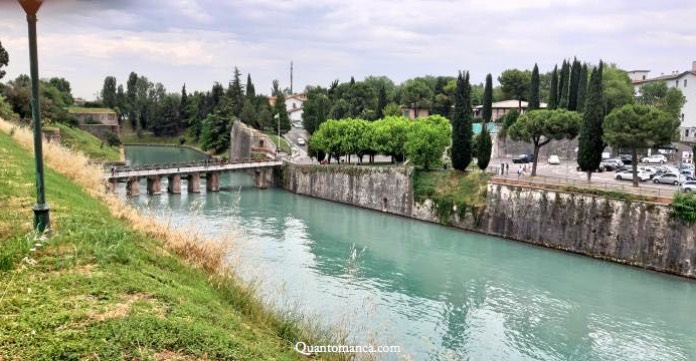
{"type": "Point", "coordinates": [637, 233]}
{"type": "Point", "coordinates": [100, 130]}
{"type": "Point", "coordinates": [245, 140]}
{"type": "Point", "coordinates": [386, 189]}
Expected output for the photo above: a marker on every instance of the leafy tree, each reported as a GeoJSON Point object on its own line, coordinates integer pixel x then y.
{"type": "Point", "coordinates": [339, 110]}
{"type": "Point", "coordinates": [638, 126]}
{"type": "Point", "coordinates": [4, 60]}
{"type": "Point", "coordinates": [215, 134]}
{"type": "Point", "coordinates": [392, 110]}
{"type": "Point", "coordinates": [390, 136]}
{"type": "Point", "coordinates": [582, 88]}
{"type": "Point", "coordinates": [657, 94]}
{"type": "Point", "coordinates": [515, 84]}
{"type": "Point", "coordinates": [427, 139]}
{"type": "Point", "coordinates": [563, 85]}
{"type": "Point", "coordinates": [108, 92]}
{"type": "Point", "coordinates": [484, 147]}
{"type": "Point", "coordinates": [488, 99]}
{"type": "Point", "coordinates": [574, 85]}
{"type": "Point", "coordinates": [166, 120]}
{"type": "Point", "coordinates": [591, 145]}
{"type": "Point", "coordinates": [553, 91]}
{"type": "Point", "coordinates": [248, 114]}
{"type": "Point", "coordinates": [618, 89]}
{"type": "Point", "coordinates": [6, 111]}
{"type": "Point", "coordinates": [533, 90]}
{"type": "Point", "coordinates": [236, 93]}
{"type": "Point", "coordinates": [131, 98]}
{"type": "Point", "coordinates": [461, 124]}
{"type": "Point", "coordinates": [416, 93]}
{"type": "Point", "coordinates": [279, 110]}
{"type": "Point", "coordinates": [507, 121]}
{"type": "Point", "coordinates": [539, 127]}
{"type": "Point", "coordinates": [316, 108]}
{"type": "Point", "coordinates": [63, 86]}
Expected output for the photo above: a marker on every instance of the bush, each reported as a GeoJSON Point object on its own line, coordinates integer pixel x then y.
{"type": "Point", "coordinates": [112, 139]}
{"type": "Point", "coordinates": [684, 207]}
{"type": "Point", "coordinates": [182, 140]}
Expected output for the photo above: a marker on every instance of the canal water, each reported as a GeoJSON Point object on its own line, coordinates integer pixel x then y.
{"type": "Point", "coordinates": [438, 293]}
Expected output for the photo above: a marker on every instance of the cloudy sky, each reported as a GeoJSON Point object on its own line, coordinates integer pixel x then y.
{"type": "Point", "coordinates": [198, 42]}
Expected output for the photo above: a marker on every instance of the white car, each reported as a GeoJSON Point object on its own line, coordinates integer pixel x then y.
{"type": "Point", "coordinates": [301, 141]}
{"type": "Point", "coordinates": [655, 158]}
{"type": "Point", "coordinates": [553, 159]}
{"type": "Point", "coordinates": [628, 175]}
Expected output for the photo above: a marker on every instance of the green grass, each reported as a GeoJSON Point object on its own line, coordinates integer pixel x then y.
{"type": "Point", "coordinates": [97, 289]}
{"type": "Point", "coordinates": [92, 146]}
{"type": "Point", "coordinates": [284, 144]}
{"type": "Point", "coordinates": [465, 190]}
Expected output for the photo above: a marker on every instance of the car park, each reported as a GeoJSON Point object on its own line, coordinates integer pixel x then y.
{"type": "Point", "coordinates": [689, 186]}
{"type": "Point", "coordinates": [650, 171]}
{"type": "Point", "coordinates": [669, 178]}
{"type": "Point", "coordinates": [611, 164]}
{"type": "Point", "coordinates": [628, 175]}
{"type": "Point", "coordinates": [554, 160]}
{"type": "Point", "coordinates": [522, 158]}
{"type": "Point", "coordinates": [655, 159]}
{"type": "Point", "coordinates": [627, 159]}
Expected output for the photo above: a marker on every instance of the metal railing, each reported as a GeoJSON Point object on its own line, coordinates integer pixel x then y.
{"type": "Point", "coordinates": [190, 164]}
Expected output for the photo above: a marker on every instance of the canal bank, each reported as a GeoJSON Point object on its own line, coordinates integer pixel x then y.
{"type": "Point", "coordinates": [631, 232]}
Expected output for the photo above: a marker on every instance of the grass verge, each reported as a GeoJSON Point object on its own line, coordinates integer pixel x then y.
{"type": "Point", "coordinates": [87, 143]}
{"type": "Point", "coordinates": [284, 145]}
{"type": "Point", "coordinates": [447, 189]}
{"type": "Point", "coordinates": [109, 284]}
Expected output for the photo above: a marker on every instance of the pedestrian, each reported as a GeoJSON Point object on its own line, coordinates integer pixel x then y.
{"type": "Point", "coordinates": [502, 168]}
{"type": "Point", "coordinates": [507, 168]}
{"type": "Point", "coordinates": [519, 172]}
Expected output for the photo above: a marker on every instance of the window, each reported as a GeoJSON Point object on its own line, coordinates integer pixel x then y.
{"type": "Point", "coordinates": [684, 83]}
{"type": "Point", "coordinates": [643, 77]}
{"type": "Point", "coordinates": [294, 106]}
{"type": "Point", "coordinates": [686, 133]}
{"type": "Point", "coordinates": [682, 117]}
{"type": "Point", "coordinates": [677, 83]}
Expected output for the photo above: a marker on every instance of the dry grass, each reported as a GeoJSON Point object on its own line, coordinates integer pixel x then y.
{"type": "Point", "coordinates": [197, 251]}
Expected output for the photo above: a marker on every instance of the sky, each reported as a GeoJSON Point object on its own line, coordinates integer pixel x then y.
{"type": "Point", "coordinates": [198, 42]}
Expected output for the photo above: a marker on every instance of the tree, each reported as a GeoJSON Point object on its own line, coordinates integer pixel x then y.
{"type": "Point", "coordinates": [184, 109]}
{"type": "Point", "coordinates": [381, 101]}
{"type": "Point", "coordinates": [553, 91]}
{"type": "Point", "coordinates": [534, 90]}
{"type": "Point", "coordinates": [484, 147]}
{"type": "Point", "coordinates": [63, 86]}
{"type": "Point", "coordinates": [279, 109]}
{"type": "Point", "coordinates": [131, 96]}
{"type": "Point", "coordinates": [563, 85]}
{"type": "Point", "coordinates": [236, 93]}
{"type": "Point", "coordinates": [427, 139]}
{"type": "Point", "coordinates": [591, 145]}
{"type": "Point", "coordinates": [488, 99]}
{"type": "Point", "coordinates": [215, 134]}
{"type": "Point", "coordinates": [392, 110]}
{"type": "Point", "coordinates": [248, 114]}
{"type": "Point", "coordinates": [657, 94]}
{"type": "Point", "coordinates": [390, 136]}
{"type": "Point", "coordinates": [582, 88]}
{"type": "Point", "coordinates": [316, 109]}
{"type": "Point", "coordinates": [250, 90]}
{"type": "Point", "coordinates": [166, 120]}
{"type": "Point", "coordinates": [618, 89]}
{"type": "Point", "coordinates": [108, 92]}
{"type": "Point", "coordinates": [539, 127]}
{"type": "Point", "coordinates": [638, 126]}
{"type": "Point", "coordinates": [461, 124]}
{"type": "Point", "coordinates": [515, 84]}
{"type": "Point", "coordinates": [416, 93]}
{"type": "Point", "coordinates": [4, 60]}
{"type": "Point", "coordinates": [216, 95]}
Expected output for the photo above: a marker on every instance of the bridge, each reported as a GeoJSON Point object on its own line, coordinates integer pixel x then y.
{"type": "Point", "coordinates": [192, 172]}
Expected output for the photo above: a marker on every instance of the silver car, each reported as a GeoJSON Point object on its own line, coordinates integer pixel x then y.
{"type": "Point", "coordinates": [688, 187]}
{"type": "Point", "coordinates": [669, 178]}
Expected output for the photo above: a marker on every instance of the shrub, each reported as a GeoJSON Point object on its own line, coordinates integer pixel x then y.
{"type": "Point", "coordinates": [112, 139]}
{"type": "Point", "coordinates": [684, 207]}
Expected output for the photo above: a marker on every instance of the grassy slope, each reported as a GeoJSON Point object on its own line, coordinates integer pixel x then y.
{"type": "Point", "coordinates": [88, 144]}
{"type": "Point", "coordinates": [451, 188]}
{"type": "Point", "coordinates": [284, 145]}
{"type": "Point", "coordinates": [100, 290]}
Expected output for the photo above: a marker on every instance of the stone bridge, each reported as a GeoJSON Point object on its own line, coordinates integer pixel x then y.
{"type": "Point", "coordinates": [192, 172]}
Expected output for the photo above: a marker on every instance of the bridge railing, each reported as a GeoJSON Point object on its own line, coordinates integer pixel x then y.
{"type": "Point", "coordinates": [190, 164]}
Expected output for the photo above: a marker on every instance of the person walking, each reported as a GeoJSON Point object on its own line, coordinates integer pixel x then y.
{"type": "Point", "coordinates": [519, 172]}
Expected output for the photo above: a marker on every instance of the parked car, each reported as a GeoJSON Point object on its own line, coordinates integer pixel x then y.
{"type": "Point", "coordinates": [301, 141]}
{"type": "Point", "coordinates": [554, 160]}
{"type": "Point", "coordinates": [627, 159]}
{"type": "Point", "coordinates": [669, 178]}
{"type": "Point", "coordinates": [611, 164]}
{"type": "Point", "coordinates": [688, 186]}
{"type": "Point", "coordinates": [523, 158]}
{"type": "Point", "coordinates": [655, 159]}
{"type": "Point", "coordinates": [628, 175]}
{"type": "Point", "coordinates": [598, 170]}
{"type": "Point", "coordinates": [648, 170]}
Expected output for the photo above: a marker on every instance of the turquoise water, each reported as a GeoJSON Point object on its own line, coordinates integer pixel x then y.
{"type": "Point", "coordinates": [438, 293]}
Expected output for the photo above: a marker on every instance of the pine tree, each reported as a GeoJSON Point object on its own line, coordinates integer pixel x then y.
{"type": "Point", "coordinates": [563, 85]}
{"type": "Point", "coordinates": [534, 90]}
{"type": "Point", "coordinates": [591, 144]}
{"type": "Point", "coordinates": [574, 84]}
{"type": "Point", "coordinates": [553, 91]}
{"type": "Point", "coordinates": [488, 99]}
{"type": "Point", "coordinates": [381, 102]}
{"type": "Point", "coordinates": [461, 124]}
{"type": "Point", "coordinates": [582, 88]}
{"type": "Point", "coordinates": [236, 93]}
{"type": "Point", "coordinates": [352, 81]}
{"type": "Point", "coordinates": [184, 113]}
{"type": "Point", "coordinates": [215, 133]}
{"type": "Point", "coordinates": [250, 90]}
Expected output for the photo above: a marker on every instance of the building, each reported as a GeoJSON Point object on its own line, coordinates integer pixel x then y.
{"type": "Point", "coordinates": [684, 81]}
{"type": "Point", "coordinates": [294, 105]}
{"type": "Point", "coordinates": [499, 109]}
{"type": "Point", "coordinates": [98, 121]}
{"type": "Point", "coordinates": [413, 113]}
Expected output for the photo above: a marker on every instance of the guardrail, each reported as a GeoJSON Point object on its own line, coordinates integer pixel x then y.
{"type": "Point", "coordinates": [206, 163]}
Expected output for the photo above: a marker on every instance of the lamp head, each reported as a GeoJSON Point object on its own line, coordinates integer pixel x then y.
{"type": "Point", "coordinates": [31, 7]}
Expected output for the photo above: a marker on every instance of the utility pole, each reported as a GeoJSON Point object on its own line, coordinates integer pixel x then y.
{"type": "Point", "coordinates": [291, 92]}
{"type": "Point", "coordinates": [41, 209]}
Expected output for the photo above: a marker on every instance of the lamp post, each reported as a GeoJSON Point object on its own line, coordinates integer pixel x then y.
{"type": "Point", "coordinates": [41, 209]}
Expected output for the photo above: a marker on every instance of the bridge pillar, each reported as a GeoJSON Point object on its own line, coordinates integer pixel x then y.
{"type": "Point", "coordinates": [133, 187]}
{"type": "Point", "coordinates": [194, 183]}
{"type": "Point", "coordinates": [262, 178]}
{"type": "Point", "coordinates": [174, 184]}
{"type": "Point", "coordinates": [154, 186]}
{"type": "Point", "coordinates": [212, 181]}
{"type": "Point", "coordinates": [113, 185]}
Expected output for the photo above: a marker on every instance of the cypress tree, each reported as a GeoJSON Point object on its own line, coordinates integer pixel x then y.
{"type": "Point", "coordinates": [553, 92]}
{"type": "Point", "coordinates": [236, 93]}
{"type": "Point", "coordinates": [381, 102]}
{"type": "Point", "coordinates": [534, 90]}
{"type": "Point", "coordinates": [488, 99]}
{"type": "Point", "coordinates": [582, 88]}
{"type": "Point", "coordinates": [590, 144]}
{"type": "Point", "coordinates": [563, 85]}
{"type": "Point", "coordinates": [574, 84]}
{"type": "Point", "coordinates": [250, 90]}
{"type": "Point", "coordinates": [184, 113]}
{"type": "Point", "coordinates": [461, 124]}
{"type": "Point", "coordinates": [484, 147]}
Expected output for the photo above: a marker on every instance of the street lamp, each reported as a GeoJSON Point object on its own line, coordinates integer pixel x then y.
{"type": "Point", "coordinates": [41, 209]}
